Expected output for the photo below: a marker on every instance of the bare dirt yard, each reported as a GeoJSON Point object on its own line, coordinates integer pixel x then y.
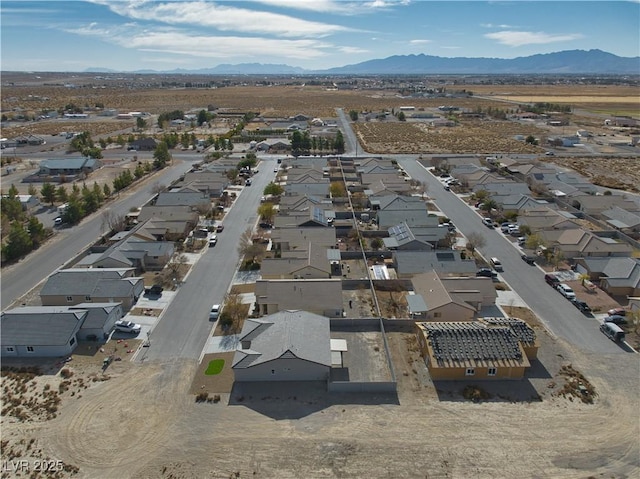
{"type": "Point", "coordinates": [143, 421]}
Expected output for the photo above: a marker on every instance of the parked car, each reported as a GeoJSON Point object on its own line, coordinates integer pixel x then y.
{"type": "Point", "coordinates": [521, 240]}
{"type": "Point", "coordinates": [504, 227]}
{"type": "Point", "coordinates": [488, 222]}
{"type": "Point", "coordinates": [213, 239]}
{"type": "Point", "coordinates": [154, 290]}
{"type": "Point", "coordinates": [58, 221]}
{"type": "Point", "coordinates": [514, 230]}
{"type": "Point", "coordinates": [219, 228]}
{"type": "Point", "coordinates": [528, 259]}
{"type": "Point", "coordinates": [248, 182]}
{"type": "Point", "coordinates": [265, 226]}
{"type": "Point", "coordinates": [617, 312]}
{"type": "Point", "coordinates": [445, 175]}
{"type": "Point", "coordinates": [551, 280]}
{"type": "Point", "coordinates": [275, 170]}
{"type": "Point", "coordinates": [487, 273]}
{"type": "Point", "coordinates": [127, 326]}
{"type": "Point", "coordinates": [215, 312]}
{"type": "Point", "coordinates": [447, 188]}
{"type": "Point", "coordinates": [616, 319]}
{"type": "Point", "coordinates": [582, 306]}
{"type": "Point", "coordinates": [566, 291]}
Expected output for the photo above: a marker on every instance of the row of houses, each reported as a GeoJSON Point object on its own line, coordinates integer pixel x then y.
{"type": "Point", "coordinates": [559, 221]}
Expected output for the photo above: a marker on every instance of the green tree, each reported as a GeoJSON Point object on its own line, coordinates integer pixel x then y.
{"type": "Point", "coordinates": [11, 206]}
{"type": "Point", "coordinates": [18, 243]}
{"type": "Point", "coordinates": [74, 212]}
{"type": "Point", "coordinates": [106, 190]}
{"type": "Point", "coordinates": [161, 156]}
{"type": "Point", "coordinates": [353, 114]}
{"type": "Point", "coordinates": [36, 231]}
{"type": "Point", "coordinates": [61, 194]}
{"type": "Point", "coordinates": [338, 143]}
{"type": "Point", "coordinates": [32, 190]}
{"type": "Point", "coordinates": [376, 244]}
{"type": "Point", "coordinates": [48, 192]}
{"type": "Point", "coordinates": [401, 116]}
{"type": "Point", "coordinates": [296, 143]}
{"type": "Point", "coordinates": [488, 205]}
{"type": "Point", "coordinates": [141, 123]}
{"type": "Point", "coordinates": [273, 189]}
{"type": "Point", "coordinates": [531, 140]}
{"type": "Point", "coordinates": [203, 117]}
{"type": "Point", "coordinates": [267, 211]}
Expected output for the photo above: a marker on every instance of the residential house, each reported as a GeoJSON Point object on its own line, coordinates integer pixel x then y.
{"type": "Point", "coordinates": [412, 218]}
{"type": "Point", "coordinates": [314, 217]}
{"type": "Point", "coordinates": [37, 331]}
{"type": "Point", "coordinates": [616, 276]}
{"type": "Point", "coordinates": [195, 199]}
{"type": "Point", "coordinates": [274, 145]}
{"type": "Point", "coordinates": [291, 239]}
{"type": "Point", "coordinates": [300, 264]}
{"type": "Point", "coordinates": [144, 144]}
{"type": "Point", "coordinates": [440, 304]}
{"type": "Point", "coordinates": [443, 262]}
{"type": "Point", "coordinates": [401, 237]}
{"type": "Point", "coordinates": [211, 183]}
{"type": "Point", "coordinates": [596, 204]}
{"type": "Point", "coordinates": [285, 346]}
{"type": "Point", "coordinates": [577, 243]}
{"type": "Point", "coordinates": [487, 349]}
{"type": "Point", "coordinates": [546, 218]}
{"type": "Point", "coordinates": [178, 221]}
{"type": "Point", "coordinates": [69, 166]}
{"type": "Point", "coordinates": [626, 221]}
{"type": "Point", "coordinates": [99, 321]}
{"type": "Point", "coordinates": [518, 203]}
{"type": "Point", "coordinates": [319, 296]}
{"type": "Point", "coordinates": [69, 287]}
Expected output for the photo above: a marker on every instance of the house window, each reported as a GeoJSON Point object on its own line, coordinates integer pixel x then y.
{"type": "Point", "coordinates": [437, 315]}
{"type": "Point", "coordinates": [30, 349]}
{"type": "Point", "coordinates": [491, 372]}
{"type": "Point", "coordinates": [69, 299]}
{"type": "Point", "coordinates": [470, 372]}
{"type": "Point", "coordinates": [10, 349]}
{"type": "Point", "coordinates": [87, 298]}
{"type": "Point", "coordinates": [72, 342]}
{"type": "Point", "coordinates": [273, 371]}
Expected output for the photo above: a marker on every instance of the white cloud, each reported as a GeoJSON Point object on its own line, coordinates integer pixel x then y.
{"type": "Point", "coordinates": [517, 39]}
{"type": "Point", "coordinates": [491, 25]}
{"type": "Point", "coordinates": [419, 41]}
{"type": "Point", "coordinates": [167, 40]}
{"type": "Point", "coordinates": [333, 6]}
{"type": "Point", "coordinates": [352, 50]}
{"type": "Point", "coordinates": [222, 17]}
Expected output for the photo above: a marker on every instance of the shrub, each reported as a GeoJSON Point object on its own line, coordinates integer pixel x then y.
{"type": "Point", "coordinates": [202, 397]}
{"type": "Point", "coordinates": [66, 373]}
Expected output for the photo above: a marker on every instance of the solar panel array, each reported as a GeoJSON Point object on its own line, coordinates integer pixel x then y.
{"type": "Point", "coordinates": [472, 342]}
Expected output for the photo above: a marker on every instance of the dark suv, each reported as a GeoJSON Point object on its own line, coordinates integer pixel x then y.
{"type": "Point", "coordinates": [551, 280]}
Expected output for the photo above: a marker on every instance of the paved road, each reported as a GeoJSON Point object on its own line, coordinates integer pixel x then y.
{"type": "Point", "coordinates": [560, 316]}
{"type": "Point", "coordinates": [350, 140]}
{"type": "Point", "coordinates": [184, 327]}
{"type": "Point", "coordinates": [20, 278]}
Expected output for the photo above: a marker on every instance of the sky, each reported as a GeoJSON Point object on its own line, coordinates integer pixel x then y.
{"type": "Point", "coordinates": [130, 35]}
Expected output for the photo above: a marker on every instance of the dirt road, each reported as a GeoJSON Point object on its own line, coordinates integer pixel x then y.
{"type": "Point", "coordinates": [142, 423]}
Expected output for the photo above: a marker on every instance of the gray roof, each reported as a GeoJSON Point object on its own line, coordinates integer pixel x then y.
{"type": "Point", "coordinates": [309, 189]}
{"type": "Point", "coordinates": [181, 198]}
{"type": "Point", "coordinates": [445, 261]}
{"type": "Point", "coordinates": [416, 304]}
{"type": "Point", "coordinates": [313, 294]}
{"type": "Point", "coordinates": [387, 219]}
{"type": "Point", "coordinates": [622, 217]}
{"type": "Point", "coordinates": [397, 202]}
{"type": "Point", "coordinates": [68, 163]}
{"type": "Point", "coordinates": [97, 313]}
{"type": "Point", "coordinates": [40, 325]}
{"type": "Point", "coordinates": [99, 282]}
{"type": "Point", "coordinates": [286, 334]}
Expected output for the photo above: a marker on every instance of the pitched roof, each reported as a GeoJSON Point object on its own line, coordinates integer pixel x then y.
{"type": "Point", "coordinates": [97, 313]}
{"type": "Point", "coordinates": [286, 334]}
{"type": "Point", "coordinates": [98, 282]}
{"type": "Point", "coordinates": [311, 294]}
{"type": "Point", "coordinates": [443, 261]}
{"type": "Point", "coordinates": [40, 325]}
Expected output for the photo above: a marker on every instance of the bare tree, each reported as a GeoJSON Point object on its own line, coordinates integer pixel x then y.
{"type": "Point", "coordinates": [112, 221]}
{"type": "Point", "coordinates": [158, 188]}
{"type": "Point", "coordinates": [249, 249]}
{"type": "Point", "coordinates": [475, 240]}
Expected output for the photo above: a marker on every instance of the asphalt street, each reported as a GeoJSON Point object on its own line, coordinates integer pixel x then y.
{"type": "Point", "coordinates": [558, 314]}
{"type": "Point", "coordinates": [184, 327]}
{"type": "Point", "coordinates": [20, 278]}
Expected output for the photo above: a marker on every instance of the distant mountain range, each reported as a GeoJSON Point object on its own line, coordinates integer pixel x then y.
{"type": "Point", "coordinates": [594, 62]}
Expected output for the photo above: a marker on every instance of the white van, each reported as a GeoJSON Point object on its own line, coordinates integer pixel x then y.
{"type": "Point", "coordinates": [613, 332]}
{"type": "Point", "coordinates": [497, 265]}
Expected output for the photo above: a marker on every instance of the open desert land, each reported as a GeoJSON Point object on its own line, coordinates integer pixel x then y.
{"type": "Point", "coordinates": [142, 421]}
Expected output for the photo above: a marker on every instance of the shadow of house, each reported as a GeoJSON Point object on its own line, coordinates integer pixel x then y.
{"type": "Point", "coordinates": [144, 144]}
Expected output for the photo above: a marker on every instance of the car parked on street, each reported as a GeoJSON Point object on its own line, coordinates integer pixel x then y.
{"type": "Point", "coordinates": [215, 312]}
{"type": "Point", "coordinates": [617, 312]}
{"type": "Point", "coordinates": [616, 319]}
{"type": "Point", "coordinates": [582, 306]}
{"type": "Point", "coordinates": [566, 291]}
{"type": "Point", "coordinates": [127, 326]}
{"type": "Point", "coordinates": [528, 259]}
{"type": "Point", "coordinates": [551, 279]}
{"type": "Point", "coordinates": [487, 273]}
{"type": "Point", "coordinates": [488, 222]}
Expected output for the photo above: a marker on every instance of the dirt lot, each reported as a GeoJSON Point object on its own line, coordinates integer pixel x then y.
{"type": "Point", "coordinates": [144, 422]}
{"type": "Point", "coordinates": [616, 173]}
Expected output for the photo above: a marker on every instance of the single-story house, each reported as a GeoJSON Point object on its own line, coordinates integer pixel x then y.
{"type": "Point", "coordinates": [285, 346]}
{"type": "Point", "coordinates": [144, 144]}
{"type": "Point", "coordinates": [577, 243]}
{"type": "Point", "coordinates": [622, 219]}
{"type": "Point", "coordinates": [68, 166]}
{"type": "Point", "coordinates": [40, 331]}
{"type": "Point", "coordinates": [444, 262]}
{"type": "Point", "coordinates": [319, 296]}
{"type": "Point", "coordinates": [312, 263]}
{"type": "Point", "coordinates": [616, 276]}
{"type": "Point", "coordinates": [292, 239]}
{"type": "Point", "coordinates": [69, 287]}
{"type": "Point", "coordinates": [100, 320]}
{"type": "Point", "coordinates": [490, 348]}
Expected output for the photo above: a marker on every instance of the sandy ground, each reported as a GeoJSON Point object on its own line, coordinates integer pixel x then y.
{"type": "Point", "coordinates": [143, 422]}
